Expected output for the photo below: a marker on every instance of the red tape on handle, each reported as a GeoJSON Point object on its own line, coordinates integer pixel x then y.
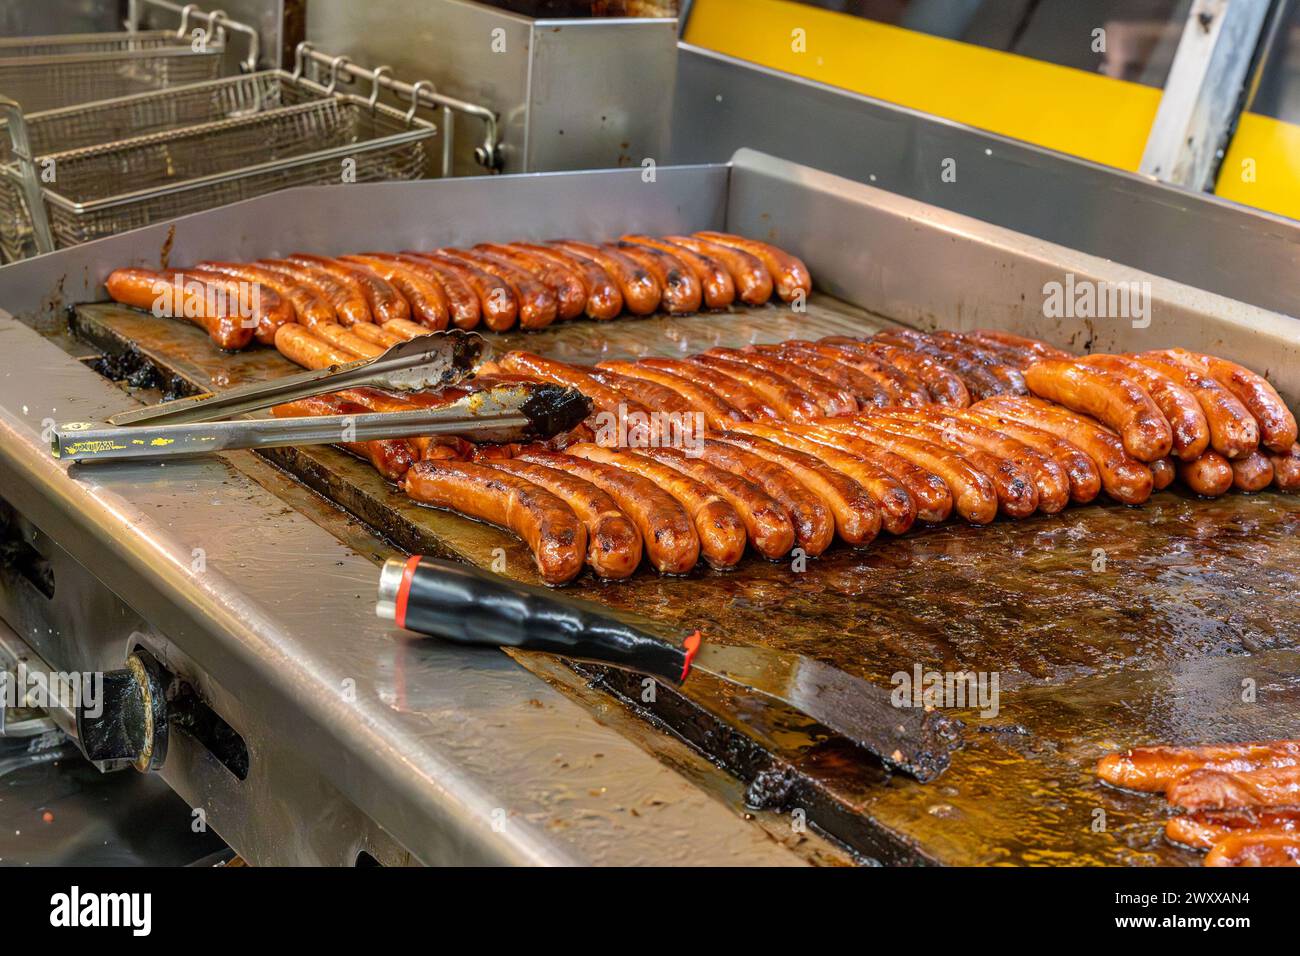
{"type": "Point", "coordinates": [692, 647]}
{"type": "Point", "coordinates": [404, 589]}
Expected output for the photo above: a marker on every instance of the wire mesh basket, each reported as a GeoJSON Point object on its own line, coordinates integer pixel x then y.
{"type": "Point", "coordinates": [44, 73]}
{"type": "Point", "coordinates": [108, 188]}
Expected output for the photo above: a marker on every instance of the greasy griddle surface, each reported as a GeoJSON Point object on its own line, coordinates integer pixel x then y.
{"type": "Point", "coordinates": [1107, 626]}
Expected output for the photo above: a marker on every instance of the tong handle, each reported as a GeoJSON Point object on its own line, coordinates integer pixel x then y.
{"type": "Point", "coordinates": [462, 604]}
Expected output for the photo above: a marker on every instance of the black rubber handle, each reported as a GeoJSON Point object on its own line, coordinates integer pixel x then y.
{"type": "Point", "coordinates": [459, 603]}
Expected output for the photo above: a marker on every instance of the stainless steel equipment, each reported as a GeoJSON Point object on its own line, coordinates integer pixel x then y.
{"type": "Point", "coordinates": [258, 596]}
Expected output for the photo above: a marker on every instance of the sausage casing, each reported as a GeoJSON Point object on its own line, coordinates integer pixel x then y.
{"type": "Point", "coordinates": [1108, 396]}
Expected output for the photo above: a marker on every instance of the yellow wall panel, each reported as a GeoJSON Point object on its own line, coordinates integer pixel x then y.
{"type": "Point", "coordinates": [1262, 168]}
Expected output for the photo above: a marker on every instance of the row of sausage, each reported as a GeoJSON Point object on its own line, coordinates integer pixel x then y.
{"type": "Point", "coordinates": [1241, 801]}
{"type": "Point", "coordinates": [498, 286]}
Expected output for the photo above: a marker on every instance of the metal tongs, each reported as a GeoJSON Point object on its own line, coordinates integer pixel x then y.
{"type": "Point", "coordinates": [190, 426]}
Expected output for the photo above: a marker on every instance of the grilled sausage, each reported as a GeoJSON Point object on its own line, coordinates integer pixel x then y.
{"type": "Point", "coordinates": [790, 402]}
{"type": "Point", "coordinates": [735, 393]}
{"type": "Point", "coordinates": [538, 306]}
{"type": "Point", "coordinates": [613, 542]}
{"type": "Point", "coordinates": [546, 524]}
{"type": "Point", "coordinates": [979, 380]}
{"type": "Point", "coordinates": [1233, 430]}
{"type": "Point", "coordinates": [974, 495]}
{"type": "Point", "coordinates": [789, 274]}
{"type": "Point", "coordinates": [1153, 769]}
{"type": "Point", "coordinates": [1269, 848]}
{"type": "Point", "coordinates": [1190, 430]}
{"type": "Point", "coordinates": [681, 293]}
{"type": "Point", "coordinates": [1163, 473]}
{"type": "Point", "coordinates": [382, 400]}
{"type": "Point", "coordinates": [1110, 397]}
{"type": "Point", "coordinates": [309, 306]}
{"type": "Point", "coordinates": [258, 303]}
{"type": "Point", "coordinates": [721, 532]}
{"type": "Point", "coordinates": [1202, 829]}
{"type": "Point", "coordinates": [814, 525]}
{"type": "Point", "coordinates": [198, 301]}
{"type": "Point", "coordinates": [767, 525]}
{"type": "Point", "coordinates": [1049, 477]}
{"type": "Point", "coordinates": [391, 457]}
{"type": "Point", "coordinates": [1286, 470]}
{"type": "Point", "coordinates": [1085, 479]}
{"type": "Point", "coordinates": [748, 274]}
{"type": "Point", "coordinates": [1008, 373]}
{"type": "Point", "coordinates": [829, 363]}
{"type": "Point", "coordinates": [904, 387]}
{"type": "Point", "coordinates": [1277, 426]}
{"type": "Point", "coordinates": [338, 336]}
{"type": "Point", "coordinates": [944, 386]}
{"type": "Point", "coordinates": [717, 412]}
{"type": "Point", "coordinates": [1252, 473]}
{"type": "Point", "coordinates": [381, 296]}
{"type": "Point", "coordinates": [897, 510]}
{"type": "Point", "coordinates": [716, 284]}
{"type": "Point", "coordinates": [498, 304]}
{"type": "Point", "coordinates": [1210, 475]}
{"type": "Point", "coordinates": [428, 302]}
{"type": "Point", "coordinates": [652, 395]}
{"type": "Point", "coordinates": [604, 300]}
{"type": "Point", "coordinates": [463, 307]}
{"type": "Point", "coordinates": [857, 519]}
{"type": "Point", "coordinates": [667, 531]}
{"type": "Point", "coordinates": [830, 397]}
{"type": "Point", "coordinates": [376, 334]}
{"type": "Point", "coordinates": [568, 289]}
{"type": "Point", "coordinates": [1015, 488]}
{"type": "Point", "coordinates": [1206, 789]}
{"type": "Point", "coordinates": [641, 290]}
{"type": "Point", "coordinates": [1124, 478]}
{"type": "Point", "coordinates": [405, 328]}
{"type": "Point", "coordinates": [604, 398]}
{"type": "Point", "coordinates": [1034, 347]}
{"type": "Point", "coordinates": [346, 299]}
{"type": "Point", "coordinates": [299, 346]}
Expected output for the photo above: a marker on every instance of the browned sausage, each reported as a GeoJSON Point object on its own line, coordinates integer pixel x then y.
{"type": "Point", "coordinates": [428, 302]}
{"type": "Point", "coordinates": [667, 532]}
{"type": "Point", "coordinates": [498, 304]}
{"type": "Point", "coordinates": [721, 532]}
{"type": "Point", "coordinates": [381, 400]}
{"type": "Point", "coordinates": [1017, 494]}
{"type": "Point", "coordinates": [789, 274]}
{"type": "Point", "coordinates": [1125, 479]}
{"type": "Point", "coordinates": [1260, 848]}
{"type": "Point", "coordinates": [641, 290]}
{"type": "Point", "coordinates": [176, 294]}
{"type": "Point", "coordinates": [932, 498]}
{"type": "Point", "coordinates": [897, 510]}
{"type": "Point", "coordinates": [1277, 426]}
{"type": "Point", "coordinates": [748, 274]}
{"type": "Point", "coordinates": [717, 412]}
{"type": "Point", "coordinates": [944, 386]}
{"type": "Point", "coordinates": [652, 395]}
{"type": "Point", "coordinates": [405, 328]}
{"type": "Point", "coordinates": [1210, 475]}
{"type": "Point", "coordinates": [463, 306]}
{"type": "Point", "coordinates": [1034, 347]}
{"type": "Point", "coordinates": [747, 402]}
{"type": "Point", "coordinates": [299, 346]}
{"type": "Point", "coordinates": [790, 402]}
{"type": "Point", "coordinates": [974, 495]}
{"type": "Point", "coordinates": [681, 293]}
{"type": "Point", "coordinates": [376, 334]}
{"type": "Point", "coordinates": [1110, 397]}
{"type": "Point", "coordinates": [1085, 479]}
{"type": "Point", "coordinates": [538, 306]}
{"type": "Point", "coordinates": [345, 298]}
{"type": "Point", "coordinates": [1252, 473]}
{"type": "Point", "coordinates": [604, 300]}
{"type": "Point", "coordinates": [382, 297]}
{"type": "Point", "coordinates": [256, 302]}
{"type": "Point", "coordinates": [1050, 478]}
{"type": "Point", "coordinates": [1273, 786]}
{"type": "Point", "coordinates": [309, 306]}
{"type": "Point", "coordinates": [391, 457]}
{"type": "Point", "coordinates": [769, 528]}
{"type": "Point", "coordinates": [613, 542]}
{"type": "Point", "coordinates": [906, 388]}
{"type": "Point", "coordinates": [1191, 432]}
{"type": "Point", "coordinates": [831, 397]}
{"type": "Point", "coordinates": [857, 519]}
{"type": "Point", "coordinates": [1163, 473]}
{"type": "Point", "coordinates": [1202, 829]}
{"type": "Point", "coordinates": [1153, 769]}
{"type": "Point", "coordinates": [814, 525]}
{"type": "Point", "coordinates": [1233, 429]}
{"type": "Point", "coordinates": [340, 337]}
{"type": "Point", "coordinates": [546, 524]}
{"type": "Point", "coordinates": [716, 284]}
{"type": "Point", "coordinates": [829, 363]}
{"type": "Point", "coordinates": [548, 370]}
{"type": "Point", "coordinates": [1008, 372]}
{"type": "Point", "coordinates": [979, 379]}
{"type": "Point", "coordinates": [1286, 470]}
{"type": "Point", "coordinates": [568, 289]}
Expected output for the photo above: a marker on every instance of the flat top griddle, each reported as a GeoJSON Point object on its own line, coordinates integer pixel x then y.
{"type": "Point", "coordinates": [1107, 626]}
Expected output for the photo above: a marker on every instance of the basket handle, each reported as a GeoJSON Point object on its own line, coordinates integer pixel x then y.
{"type": "Point", "coordinates": [378, 72]}
{"type": "Point", "coordinates": [33, 195]}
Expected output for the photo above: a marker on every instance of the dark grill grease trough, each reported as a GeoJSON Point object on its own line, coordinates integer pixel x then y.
{"type": "Point", "coordinates": [1105, 626]}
